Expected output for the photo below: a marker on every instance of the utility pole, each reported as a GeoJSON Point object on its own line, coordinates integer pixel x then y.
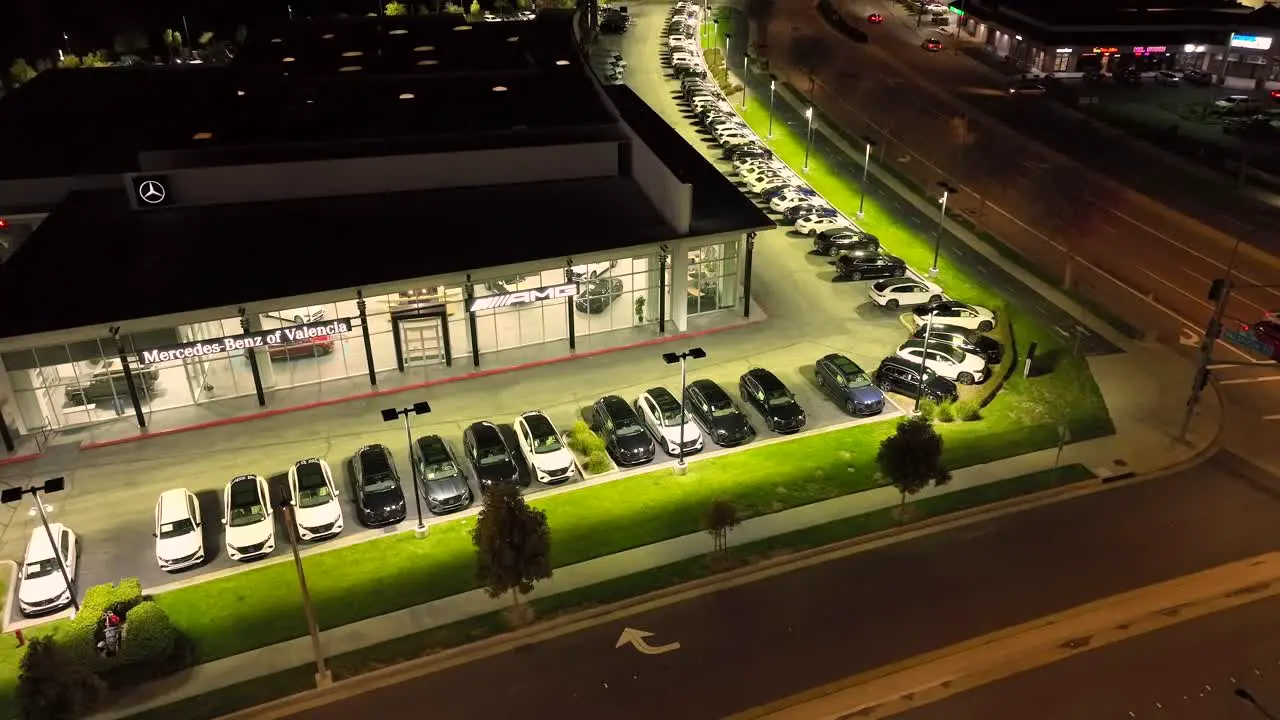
{"type": "Point", "coordinates": [1219, 293]}
{"type": "Point", "coordinates": [323, 677]}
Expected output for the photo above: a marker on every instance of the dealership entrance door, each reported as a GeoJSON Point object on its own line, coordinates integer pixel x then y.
{"type": "Point", "coordinates": [421, 336]}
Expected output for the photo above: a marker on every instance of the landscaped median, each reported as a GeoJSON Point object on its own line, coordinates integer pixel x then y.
{"type": "Point", "coordinates": [344, 666]}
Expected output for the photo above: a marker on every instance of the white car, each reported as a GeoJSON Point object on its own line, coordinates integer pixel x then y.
{"type": "Point", "coordinates": [660, 411]}
{"type": "Point", "coordinates": [758, 183]}
{"type": "Point", "coordinates": [248, 518]}
{"type": "Point", "coordinates": [549, 460]}
{"type": "Point", "coordinates": [956, 314]}
{"type": "Point", "coordinates": [948, 361]}
{"type": "Point", "coordinates": [725, 131]}
{"type": "Point", "coordinates": [680, 56]}
{"type": "Point", "coordinates": [179, 532]}
{"type": "Point", "coordinates": [720, 122]}
{"type": "Point", "coordinates": [792, 198]}
{"type": "Point", "coordinates": [815, 224]}
{"type": "Point", "coordinates": [42, 589]}
{"type": "Point", "coordinates": [756, 173]}
{"type": "Point", "coordinates": [314, 496]}
{"type": "Point", "coordinates": [742, 167]}
{"type": "Point", "coordinates": [490, 17]}
{"type": "Point", "coordinates": [897, 292]}
{"type": "Point", "coordinates": [678, 41]}
{"type": "Point", "coordinates": [731, 143]}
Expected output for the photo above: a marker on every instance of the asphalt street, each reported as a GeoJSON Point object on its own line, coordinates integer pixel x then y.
{"type": "Point", "coordinates": [920, 107]}
{"type": "Point", "coordinates": [756, 643]}
{"type": "Point", "coordinates": [1187, 672]}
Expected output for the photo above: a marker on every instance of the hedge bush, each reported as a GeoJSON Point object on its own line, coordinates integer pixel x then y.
{"type": "Point", "coordinates": [1003, 331]}
{"type": "Point", "coordinates": [597, 462]}
{"type": "Point", "coordinates": [946, 412]}
{"type": "Point", "coordinates": [928, 408]}
{"type": "Point", "coordinates": [583, 441]}
{"type": "Point", "coordinates": [968, 410]}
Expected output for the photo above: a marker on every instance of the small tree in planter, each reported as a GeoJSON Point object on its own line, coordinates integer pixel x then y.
{"type": "Point", "coordinates": [513, 547]}
{"type": "Point", "coordinates": [640, 310]}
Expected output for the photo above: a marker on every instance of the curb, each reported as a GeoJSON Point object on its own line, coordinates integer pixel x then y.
{"type": "Point", "coordinates": [11, 592]}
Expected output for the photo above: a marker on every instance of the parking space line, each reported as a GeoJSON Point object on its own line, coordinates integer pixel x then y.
{"type": "Point", "coordinates": [1241, 381]}
{"type": "Point", "coordinates": [1270, 418]}
{"type": "Point", "coordinates": [1175, 287]}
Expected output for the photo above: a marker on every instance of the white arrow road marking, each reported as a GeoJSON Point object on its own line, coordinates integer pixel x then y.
{"type": "Point", "coordinates": [1271, 417]}
{"type": "Point", "coordinates": [636, 639]}
{"type": "Point", "coordinates": [1189, 338]}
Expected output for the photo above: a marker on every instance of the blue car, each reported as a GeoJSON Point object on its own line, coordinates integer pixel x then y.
{"type": "Point", "coordinates": [848, 384]}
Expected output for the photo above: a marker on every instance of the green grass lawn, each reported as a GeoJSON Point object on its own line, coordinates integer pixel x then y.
{"type": "Point", "coordinates": [270, 687]}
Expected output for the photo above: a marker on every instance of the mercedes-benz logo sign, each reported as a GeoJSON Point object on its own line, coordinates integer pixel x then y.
{"type": "Point", "coordinates": [151, 192]}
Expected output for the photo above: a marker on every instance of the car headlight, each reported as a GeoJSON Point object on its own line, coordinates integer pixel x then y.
{"type": "Point", "coordinates": [721, 432]}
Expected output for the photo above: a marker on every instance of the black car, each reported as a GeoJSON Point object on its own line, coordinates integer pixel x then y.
{"type": "Point", "coordinates": [624, 436]}
{"type": "Point", "coordinates": [861, 265]}
{"type": "Point", "coordinates": [713, 409]}
{"type": "Point", "coordinates": [109, 384]}
{"type": "Point", "coordinates": [846, 382]}
{"type": "Point", "coordinates": [683, 70]}
{"type": "Point", "coordinates": [837, 240]}
{"type": "Point", "coordinates": [902, 376]}
{"type": "Point", "coordinates": [379, 498]}
{"type": "Point", "coordinates": [440, 479]}
{"type": "Point", "coordinates": [750, 151]}
{"type": "Point", "coordinates": [1198, 77]}
{"type": "Point", "coordinates": [795, 212]}
{"type": "Point", "coordinates": [599, 294]}
{"type": "Point", "coordinates": [763, 391]}
{"type": "Point", "coordinates": [970, 341]}
{"type": "Point", "coordinates": [772, 192]}
{"type": "Point", "coordinates": [489, 455]}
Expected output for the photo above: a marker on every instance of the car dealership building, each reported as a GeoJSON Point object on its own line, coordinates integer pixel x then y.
{"type": "Point", "coordinates": [350, 205]}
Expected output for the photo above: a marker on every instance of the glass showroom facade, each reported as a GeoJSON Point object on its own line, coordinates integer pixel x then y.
{"type": "Point", "coordinates": [400, 335]}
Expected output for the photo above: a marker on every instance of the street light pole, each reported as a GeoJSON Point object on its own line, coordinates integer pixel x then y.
{"type": "Point", "coordinates": [773, 84]}
{"type": "Point", "coordinates": [924, 353]}
{"type": "Point", "coordinates": [52, 485]}
{"type": "Point", "coordinates": [1248, 698]}
{"type": "Point", "coordinates": [808, 138]}
{"type": "Point", "coordinates": [947, 191]}
{"type": "Point", "coordinates": [866, 164]}
{"type": "Point", "coordinates": [392, 414]}
{"type": "Point", "coordinates": [744, 79]}
{"type": "Point", "coordinates": [323, 677]}
{"type": "Point", "coordinates": [671, 359]}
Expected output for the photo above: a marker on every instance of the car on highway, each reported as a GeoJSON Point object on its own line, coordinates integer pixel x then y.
{"type": "Point", "coordinates": [662, 415]}
{"type": "Point", "coordinates": [317, 514]}
{"type": "Point", "coordinates": [932, 44]}
{"type": "Point", "coordinates": [834, 242]}
{"type": "Point", "coordinates": [956, 314]}
{"type": "Point", "coordinates": [970, 341]}
{"type": "Point", "coordinates": [867, 265]}
{"type": "Point", "coordinates": [441, 480]}
{"type": "Point", "coordinates": [625, 437]}
{"type": "Point", "coordinates": [875, 18]}
{"type": "Point", "coordinates": [1028, 89]}
{"type": "Point", "coordinates": [548, 459]}
{"type": "Point", "coordinates": [901, 376]}
{"type": "Point", "coordinates": [848, 384]}
{"type": "Point", "coordinates": [770, 397]}
{"type": "Point", "coordinates": [489, 456]}
{"type": "Point", "coordinates": [895, 293]}
{"type": "Point", "coordinates": [598, 295]}
{"type": "Point", "coordinates": [379, 497]}
{"type": "Point", "coordinates": [948, 361]}
{"type": "Point", "coordinates": [248, 518]}
{"type": "Point", "coordinates": [179, 532]}
{"type": "Point", "coordinates": [1265, 331]}
{"type": "Point", "coordinates": [815, 225]}
{"type": "Point", "coordinates": [717, 414]}
{"type": "Point", "coordinates": [42, 589]}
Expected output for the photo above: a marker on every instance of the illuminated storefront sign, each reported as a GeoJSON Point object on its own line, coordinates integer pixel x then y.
{"type": "Point", "coordinates": [291, 335]}
{"type": "Point", "coordinates": [1063, 51]}
{"type": "Point", "coordinates": [524, 297]}
{"type": "Point", "coordinates": [1150, 50]}
{"type": "Point", "coordinates": [1252, 42]}
{"type": "Point", "coordinates": [1106, 51]}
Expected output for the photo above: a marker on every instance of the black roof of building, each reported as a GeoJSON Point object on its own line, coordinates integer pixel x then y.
{"type": "Point", "coordinates": [1122, 22]}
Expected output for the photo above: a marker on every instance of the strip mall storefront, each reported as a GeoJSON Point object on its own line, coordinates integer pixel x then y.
{"type": "Point", "coordinates": [363, 340]}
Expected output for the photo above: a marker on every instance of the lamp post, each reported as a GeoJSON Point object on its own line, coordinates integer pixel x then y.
{"type": "Point", "coordinates": [392, 414]}
{"type": "Point", "coordinates": [323, 677]}
{"type": "Point", "coordinates": [671, 359]}
{"type": "Point", "coordinates": [52, 485]}
{"type": "Point", "coordinates": [947, 191]}
{"type": "Point", "coordinates": [808, 137]}
{"type": "Point", "coordinates": [866, 164]}
{"type": "Point", "coordinates": [924, 353]}
{"type": "Point", "coordinates": [724, 53]}
{"type": "Point", "coordinates": [1248, 698]}
{"type": "Point", "coordinates": [773, 85]}
{"type": "Point", "coordinates": [715, 33]}
{"type": "Point", "coordinates": [744, 79]}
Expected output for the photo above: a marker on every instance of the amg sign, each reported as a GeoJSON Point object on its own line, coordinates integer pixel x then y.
{"type": "Point", "coordinates": [291, 335]}
{"type": "Point", "coordinates": [523, 297]}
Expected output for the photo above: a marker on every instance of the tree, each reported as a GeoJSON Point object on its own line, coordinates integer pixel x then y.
{"type": "Point", "coordinates": [205, 38]}
{"type": "Point", "coordinates": [524, 5]}
{"type": "Point", "coordinates": [173, 41]}
{"type": "Point", "coordinates": [396, 8]}
{"type": "Point", "coordinates": [54, 686]}
{"type": "Point", "coordinates": [513, 545]}
{"type": "Point", "coordinates": [20, 72]}
{"type": "Point", "coordinates": [475, 8]}
{"type": "Point", "coordinates": [912, 458]}
{"type": "Point", "coordinates": [721, 517]}
{"type": "Point", "coordinates": [502, 6]}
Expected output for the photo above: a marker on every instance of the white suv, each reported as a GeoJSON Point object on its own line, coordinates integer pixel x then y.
{"type": "Point", "coordinates": [43, 589]}
{"type": "Point", "coordinates": [316, 510]}
{"type": "Point", "coordinates": [248, 518]}
{"type": "Point", "coordinates": [549, 460]}
{"type": "Point", "coordinates": [179, 533]}
{"type": "Point", "coordinates": [661, 413]}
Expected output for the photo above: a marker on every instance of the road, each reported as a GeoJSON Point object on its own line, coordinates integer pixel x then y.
{"type": "Point", "coordinates": [1186, 672]}
{"type": "Point", "coordinates": [752, 644]}
{"type": "Point", "coordinates": [926, 112]}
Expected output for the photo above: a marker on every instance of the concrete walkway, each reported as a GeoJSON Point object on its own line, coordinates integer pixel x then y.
{"type": "Point", "coordinates": [1135, 451]}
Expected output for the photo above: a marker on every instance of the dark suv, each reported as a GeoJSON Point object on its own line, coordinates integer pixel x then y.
{"type": "Point", "coordinates": [625, 438]}
{"type": "Point", "coordinates": [763, 391]}
{"type": "Point", "coordinates": [379, 498]}
{"type": "Point", "coordinates": [837, 240]}
{"type": "Point", "coordinates": [902, 376]}
{"type": "Point", "coordinates": [844, 380]}
{"type": "Point", "coordinates": [714, 410]}
{"type": "Point", "coordinates": [489, 455]}
{"type": "Point", "coordinates": [860, 265]}
{"type": "Point", "coordinates": [442, 483]}
{"type": "Point", "coordinates": [106, 385]}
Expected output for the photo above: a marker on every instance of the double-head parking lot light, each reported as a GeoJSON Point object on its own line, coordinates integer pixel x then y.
{"type": "Point", "coordinates": [947, 191]}
{"type": "Point", "coordinates": [671, 359]}
{"type": "Point", "coordinates": [52, 485]}
{"type": "Point", "coordinates": [808, 138]}
{"type": "Point", "coordinates": [421, 407]}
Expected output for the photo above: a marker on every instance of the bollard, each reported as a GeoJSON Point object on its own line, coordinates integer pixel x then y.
{"type": "Point", "coordinates": [22, 640]}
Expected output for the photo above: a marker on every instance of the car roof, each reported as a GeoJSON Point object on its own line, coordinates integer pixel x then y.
{"type": "Point", "coordinates": [486, 433]}
{"type": "Point", "coordinates": [244, 489]}
{"type": "Point", "coordinates": [173, 505]}
{"type": "Point", "coordinates": [615, 406]}
{"type": "Point", "coordinates": [431, 448]}
{"type": "Point", "coordinates": [900, 362]}
{"type": "Point", "coordinates": [768, 381]}
{"type": "Point", "coordinates": [538, 423]}
{"type": "Point", "coordinates": [843, 364]}
{"type": "Point", "coordinates": [663, 396]}
{"type": "Point", "coordinates": [38, 547]}
{"type": "Point", "coordinates": [375, 458]}
{"type": "Point", "coordinates": [709, 389]}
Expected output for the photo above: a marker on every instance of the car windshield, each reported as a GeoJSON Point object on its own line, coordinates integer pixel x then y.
{"type": "Point", "coordinates": [247, 515]}
{"type": "Point", "coordinates": [628, 428]}
{"type": "Point", "coordinates": [725, 411]}
{"type": "Point", "coordinates": [546, 444]}
{"type": "Point", "coordinates": [313, 490]}
{"type": "Point", "coordinates": [178, 528]}
{"type": "Point", "coordinates": [859, 380]}
{"type": "Point", "coordinates": [379, 482]}
{"type": "Point", "coordinates": [492, 456]}
{"type": "Point", "coordinates": [778, 398]}
{"type": "Point", "coordinates": [951, 353]}
{"type": "Point", "coordinates": [39, 569]}
{"type": "Point", "coordinates": [440, 470]}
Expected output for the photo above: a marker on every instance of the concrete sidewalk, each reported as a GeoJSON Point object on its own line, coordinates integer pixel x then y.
{"type": "Point", "coordinates": [1135, 451]}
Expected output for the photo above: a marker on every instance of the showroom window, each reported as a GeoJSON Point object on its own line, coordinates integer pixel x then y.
{"type": "Point", "coordinates": [520, 325]}
{"type": "Point", "coordinates": [623, 297]}
{"type": "Point", "coordinates": [713, 278]}
{"type": "Point", "coordinates": [317, 359]}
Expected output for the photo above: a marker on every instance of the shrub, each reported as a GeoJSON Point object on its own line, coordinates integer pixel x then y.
{"type": "Point", "coordinates": [454, 8]}
{"type": "Point", "coordinates": [54, 684]}
{"type": "Point", "coordinates": [149, 635]}
{"type": "Point", "coordinates": [968, 410]}
{"type": "Point", "coordinates": [946, 412]}
{"type": "Point", "coordinates": [597, 462]}
{"type": "Point", "coordinates": [928, 408]}
{"type": "Point", "coordinates": [475, 8]}
{"type": "Point", "coordinates": [583, 440]}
